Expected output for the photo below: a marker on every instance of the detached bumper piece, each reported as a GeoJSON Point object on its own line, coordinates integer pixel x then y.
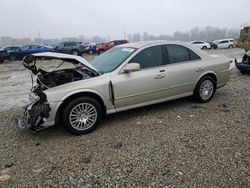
{"type": "Point", "coordinates": [243, 67]}
{"type": "Point", "coordinates": [35, 115]}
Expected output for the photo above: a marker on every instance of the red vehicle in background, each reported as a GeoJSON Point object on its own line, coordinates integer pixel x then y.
{"type": "Point", "coordinates": [109, 45]}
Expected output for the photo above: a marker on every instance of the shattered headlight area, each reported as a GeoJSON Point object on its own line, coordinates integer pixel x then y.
{"type": "Point", "coordinates": [36, 113]}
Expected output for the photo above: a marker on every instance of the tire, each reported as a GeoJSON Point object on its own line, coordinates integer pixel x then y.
{"type": "Point", "coordinates": [100, 52]}
{"type": "Point", "coordinates": [75, 52]}
{"type": "Point", "coordinates": [243, 71]}
{"type": "Point", "coordinates": [12, 58]}
{"type": "Point", "coordinates": [230, 46]}
{"type": "Point", "coordinates": [204, 48]}
{"type": "Point", "coordinates": [208, 85]}
{"type": "Point", "coordinates": [76, 116]}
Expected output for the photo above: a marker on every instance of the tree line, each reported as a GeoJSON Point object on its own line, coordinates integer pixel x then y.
{"type": "Point", "coordinates": [208, 33]}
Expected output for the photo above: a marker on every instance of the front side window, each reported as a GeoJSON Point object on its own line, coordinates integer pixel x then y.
{"type": "Point", "coordinates": [60, 45]}
{"type": "Point", "coordinates": [112, 59]}
{"type": "Point", "coordinates": [178, 53]}
{"type": "Point", "coordinates": [26, 48]}
{"type": "Point", "coordinates": [150, 57]}
{"type": "Point", "coordinates": [36, 47]}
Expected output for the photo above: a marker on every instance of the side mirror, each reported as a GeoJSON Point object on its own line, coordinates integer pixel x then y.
{"type": "Point", "coordinates": [131, 67]}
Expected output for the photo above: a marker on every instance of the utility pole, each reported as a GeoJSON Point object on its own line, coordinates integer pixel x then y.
{"type": "Point", "coordinates": [39, 37]}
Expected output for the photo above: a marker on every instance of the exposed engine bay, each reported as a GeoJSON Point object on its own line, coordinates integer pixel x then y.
{"type": "Point", "coordinates": [37, 112]}
{"type": "Point", "coordinates": [55, 78]}
{"type": "Point", "coordinates": [52, 78]}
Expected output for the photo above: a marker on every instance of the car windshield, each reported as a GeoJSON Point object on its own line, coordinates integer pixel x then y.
{"type": "Point", "coordinates": [112, 59]}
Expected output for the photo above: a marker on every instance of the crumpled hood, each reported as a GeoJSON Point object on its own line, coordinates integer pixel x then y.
{"type": "Point", "coordinates": [30, 61]}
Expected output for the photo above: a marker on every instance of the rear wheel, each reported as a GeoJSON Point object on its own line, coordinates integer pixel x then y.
{"type": "Point", "coordinates": [82, 115]}
{"type": "Point", "coordinates": [205, 89]}
{"type": "Point", "coordinates": [204, 48]}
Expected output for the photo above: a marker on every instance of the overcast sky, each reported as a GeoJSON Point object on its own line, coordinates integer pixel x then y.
{"type": "Point", "coordinates": [65, 18]}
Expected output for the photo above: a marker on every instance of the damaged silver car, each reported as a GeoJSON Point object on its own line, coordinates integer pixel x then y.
{"type": "Point", "coordinates": [125, 77]}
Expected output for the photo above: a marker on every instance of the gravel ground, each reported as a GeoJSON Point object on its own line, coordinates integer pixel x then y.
{"type": "Point", "coordinates": [174, 144]}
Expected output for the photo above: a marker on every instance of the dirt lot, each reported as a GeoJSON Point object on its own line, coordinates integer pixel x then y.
{"type": "Point", "coordinates": [173, 144]}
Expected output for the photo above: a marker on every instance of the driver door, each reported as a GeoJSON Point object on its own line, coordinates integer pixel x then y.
{"type": "Point", "coordinates": [146, 85]}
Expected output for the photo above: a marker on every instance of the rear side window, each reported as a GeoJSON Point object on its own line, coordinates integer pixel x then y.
{"type": "Point", "coordinates": [70, 44]}
{"type": "Point", "coordinates": [224, 41]}
{"type": "Point", "coordinates": [193, 56]}
{"type": "Point", "coordinates": [178, 53]}
{"type": "Point", "coordinates": [150, 57]}
{"type": "Point", "coordinates": [118, 42]}
{"type": "Point", "coordinates": [197, 42]}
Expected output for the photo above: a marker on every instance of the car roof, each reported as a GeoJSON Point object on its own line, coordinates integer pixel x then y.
{"type": "Point", "coordinates": [144, 44]}
{"type": "Point", "coordinates": [149, 43]}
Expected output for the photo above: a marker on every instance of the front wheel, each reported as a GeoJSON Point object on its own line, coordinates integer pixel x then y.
{"type": "Point", "coordinates": [205, 89]}
{"type": "Point", "coordinates": [100, 52]}
{"type": "Point", "coordinates": [75, 52]}
{"type": "Point", "coordinates": [12, 58]}
{"type": "Point", "coordinates": [82, 115]}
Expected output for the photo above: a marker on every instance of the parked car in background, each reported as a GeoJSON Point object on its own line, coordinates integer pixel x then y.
{"type": "Point", "coordinates": [201, 44]}
{"type": "Point", "coordinates": [11, 48]}
{"type": "Point", "coordinates": [110, 45]}
{"type": "Point", "coordinates": [213, 45]}
{"type": "Point", "coordinates": [70, 47]}
{"type": "Point", "coordinates": [3, 55]}
{"type": "Point", "coordinates": [225, 43]}
{"type": "Point", "coordinates": [21, 52]}
{"type": "Point", "coordinates": [125, 77]}
{"type": "Point", "coordinates": [91, 48]}
{"type": "Point", "coordinates": [244, 65]}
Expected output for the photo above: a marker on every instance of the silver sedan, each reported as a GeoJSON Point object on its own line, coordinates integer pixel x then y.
{"type": "Point", "coordinates": [126, 77]}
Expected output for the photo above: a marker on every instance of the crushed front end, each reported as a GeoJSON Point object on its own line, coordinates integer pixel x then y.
{"type": "Point", "coordinates": [37, 112]}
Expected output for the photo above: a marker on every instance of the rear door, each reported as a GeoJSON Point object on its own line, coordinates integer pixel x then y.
{"type": "Point", "coordinates": [224, 44]}
{"type": "Point", "coordinates": [182, 71]}
{"type": "Point", "coordinates": [69, 47]}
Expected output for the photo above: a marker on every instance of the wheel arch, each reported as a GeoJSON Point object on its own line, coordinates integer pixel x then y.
{"type": "Point", "coordinates": [210, 73]}
{"type": "Point", "coordinates": [69, 98]}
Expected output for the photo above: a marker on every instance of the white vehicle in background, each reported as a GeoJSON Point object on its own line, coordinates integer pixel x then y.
{"type": "Point", "coordinates": [225, 43]}
{"type": "Point", "coordinates": [201, 44]}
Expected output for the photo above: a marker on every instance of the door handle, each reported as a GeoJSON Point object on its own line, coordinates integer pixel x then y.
{"type": "Point", "coordinates": [199, 69]}
{"type": "Point", "coordinates": [159, 76]}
